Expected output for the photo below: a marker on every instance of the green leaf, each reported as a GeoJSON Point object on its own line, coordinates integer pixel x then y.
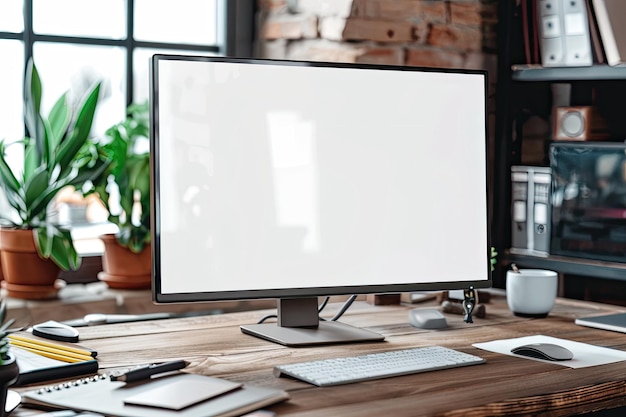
{"type": "Point", "coordinates": [32, 104]}
{"type": "Point", "coordinates": [36, 186]}
{"type": "Point", "coordinates": [32, 159]}
{"type": "Point", "coordinates": [43, 240]}
{"type": "Point", "coordinates": [56, 244]}
{"type": "Point", "coordinates": [6, 174]}
{"type": "Point", "coordinates": [79, 131]}
{"type": "Point", "coordinates": [59, 119]}
{"type": "Point", "coordinates": [94, 174]}
{"type": "Point", "coordinates": [39, 206]}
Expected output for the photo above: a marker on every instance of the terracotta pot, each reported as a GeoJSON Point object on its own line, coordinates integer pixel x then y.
{"type": "Point", "coordinates": [9, 372]}
{"type": "Point", "coordinates": [125, 269]}
{"type": "Point", "coordinates": [26, 274]}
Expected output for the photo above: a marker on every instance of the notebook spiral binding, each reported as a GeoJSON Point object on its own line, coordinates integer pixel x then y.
{"type": "Point", "coordinates": [77, 382]}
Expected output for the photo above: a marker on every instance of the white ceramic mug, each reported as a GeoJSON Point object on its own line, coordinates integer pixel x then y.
{"type": "Point", "coordinates": [531, 292]}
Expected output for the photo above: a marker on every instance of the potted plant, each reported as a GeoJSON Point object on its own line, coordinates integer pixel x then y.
{"type": "Point", "coordinates": [9, 370]}
{"type": "Point", "coordinates": [57, 153]}
{"type": "Point", "coordinates": [125, 192]}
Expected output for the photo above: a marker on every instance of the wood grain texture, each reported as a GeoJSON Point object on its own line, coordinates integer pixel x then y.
{"type": "Point", "coordinates": [504, 385]}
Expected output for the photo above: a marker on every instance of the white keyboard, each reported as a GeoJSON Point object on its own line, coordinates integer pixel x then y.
{"type": "Point", "coordinates": [371, 366]}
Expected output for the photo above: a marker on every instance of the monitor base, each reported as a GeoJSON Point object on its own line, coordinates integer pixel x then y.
{"type": "Point", "coordinates": [328, 332]}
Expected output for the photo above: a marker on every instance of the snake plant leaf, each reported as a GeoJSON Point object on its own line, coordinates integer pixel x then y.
{"type": "Point", "coordinates": [59, 119]}
{"type": "Point", "coordinates": [32, 159]}
{"type": "Point", "coordinates": [43, 240]}
{"type": "Point", "coordinates": [40, 204]}
{"type": "Point", "coordinates": [6, 174]}
{"type": "Point", "coordinates": [32, 103]}
{"type": "Point", "coordinates": [36, 186]}
{"type": "Point", "coordinates": [79, 131]}
{"type": "Point", "coordinates": [63, 250]}
{"type": "Point", "coordinates": [55, 243]}
{"type": "Point", "coordinates": [53, 159]}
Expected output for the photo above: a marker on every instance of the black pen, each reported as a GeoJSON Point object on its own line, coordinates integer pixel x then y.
{"type": "Point", "coordinates": [145, 372]}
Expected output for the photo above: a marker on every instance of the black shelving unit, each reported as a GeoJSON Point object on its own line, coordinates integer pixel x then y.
{"type": "Point", "coordinates": [518, 85]}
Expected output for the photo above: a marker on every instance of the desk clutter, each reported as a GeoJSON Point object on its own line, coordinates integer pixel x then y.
{"type": "Point", "coordinates": [181, 394]}
{"type": "Point", "coordinates": [234, 371]}
{"type": "Point", "coordinates": [40, 360]}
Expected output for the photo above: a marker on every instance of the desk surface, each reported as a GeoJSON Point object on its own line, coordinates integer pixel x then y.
{"type": "Point", "coordinates": [504, 385]}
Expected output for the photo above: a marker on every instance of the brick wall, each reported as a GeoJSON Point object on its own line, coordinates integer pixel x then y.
{"type": "Point", "coordinates": [437, 33]}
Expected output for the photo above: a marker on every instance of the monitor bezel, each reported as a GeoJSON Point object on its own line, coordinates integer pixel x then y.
{"type": "Point", "coordinates": [277, 293]}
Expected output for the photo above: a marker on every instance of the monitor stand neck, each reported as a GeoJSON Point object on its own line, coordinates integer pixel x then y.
{"type": "Point", "coordinates": [299, 325]}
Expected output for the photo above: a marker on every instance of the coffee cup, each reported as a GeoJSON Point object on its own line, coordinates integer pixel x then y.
{"type": "Point", "coordinates": [531, 292]}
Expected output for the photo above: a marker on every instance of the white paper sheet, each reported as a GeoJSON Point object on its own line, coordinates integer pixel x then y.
{"type": "Point", "coordinates": [584, 353]}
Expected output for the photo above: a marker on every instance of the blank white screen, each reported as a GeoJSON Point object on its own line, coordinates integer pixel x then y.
{"type": "Point", "coordinates": [280, 176]}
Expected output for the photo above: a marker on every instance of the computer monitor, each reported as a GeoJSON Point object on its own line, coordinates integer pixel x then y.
{"type": "Point", "coordinates": [293, 180]}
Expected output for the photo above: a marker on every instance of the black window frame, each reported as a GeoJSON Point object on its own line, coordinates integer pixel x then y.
{"type": "Point", "coordinates": [235, 36]}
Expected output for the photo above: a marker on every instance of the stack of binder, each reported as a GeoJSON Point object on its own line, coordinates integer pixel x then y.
{"type": "Point", "coordinates": [563, 27]}
{"type": "Point", "coordinates": [574, 33]}
{"type": "Point", "coordinates": [531, 210]}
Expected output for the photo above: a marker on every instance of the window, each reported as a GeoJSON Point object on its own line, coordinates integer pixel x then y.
{"type": "Point", "coordinates": [75, 43]}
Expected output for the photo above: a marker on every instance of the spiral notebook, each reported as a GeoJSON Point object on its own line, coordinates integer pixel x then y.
{"type": "Point", "coordinates": [99, 394]}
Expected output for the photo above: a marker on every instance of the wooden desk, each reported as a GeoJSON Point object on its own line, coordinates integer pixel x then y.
{"type": "Point", "coordinates": [505, 385]}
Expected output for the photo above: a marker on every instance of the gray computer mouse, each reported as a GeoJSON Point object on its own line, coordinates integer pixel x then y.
{"type": "Point", "coordinates": [427, 318]}
{"type": "Point", "coordinates": [547, 351]}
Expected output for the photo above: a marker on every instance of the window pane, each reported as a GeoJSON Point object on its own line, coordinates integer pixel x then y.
{"type": "Point", "coordinates": [86, 18]}
{"type": "Point", "coordinates": [11, 116]}
{"type": "Point", "coordinates": [11, 16]}
{"type": "Point", "coordinates": [141, 68]}
{"type": "Point", "coordinates": [181, 21]}
{"type": "Point", "coordinates": [75, 68]}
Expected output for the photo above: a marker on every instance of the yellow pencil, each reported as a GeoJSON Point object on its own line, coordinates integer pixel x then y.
{"type": "Point", "coordinates": [51, 347]}
{"type": "Point", "coordinates": [52, 355]}
{"type": "Point", "coordinates": [37, 349]}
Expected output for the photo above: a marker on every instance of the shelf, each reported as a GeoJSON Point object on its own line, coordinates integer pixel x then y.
{"type": "Point", "coordinates": [553, 74]}
{"type": "Point", "coordinates": [574, 266]}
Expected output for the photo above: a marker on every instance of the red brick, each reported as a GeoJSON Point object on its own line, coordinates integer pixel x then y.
{"type": "Point", "coordinates": [384, 56]}
{"type": "Point", "coordinates": [434, 58]}
{"type": "Point", "coordinates": [466, 13]}
{"type": "Point", "coordinates": [434, 11]}
{"type": "Point", "coordinates": [378, 30]}
{"type": "Point", "coordinates": [285, 26]}
{"type": "Point", "coordinates": [456, 37]}
{"type": "Point", "coordinates": [388, 9]}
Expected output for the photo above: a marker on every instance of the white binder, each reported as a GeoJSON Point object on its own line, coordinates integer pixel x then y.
{"type": "Point", "coordinates": [564, 39]}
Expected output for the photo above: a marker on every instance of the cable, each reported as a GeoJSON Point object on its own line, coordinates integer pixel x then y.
{"type": "Point", "coordinates": [321, 307]}
{"type": "Point", "coordinates": [344, 307]}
